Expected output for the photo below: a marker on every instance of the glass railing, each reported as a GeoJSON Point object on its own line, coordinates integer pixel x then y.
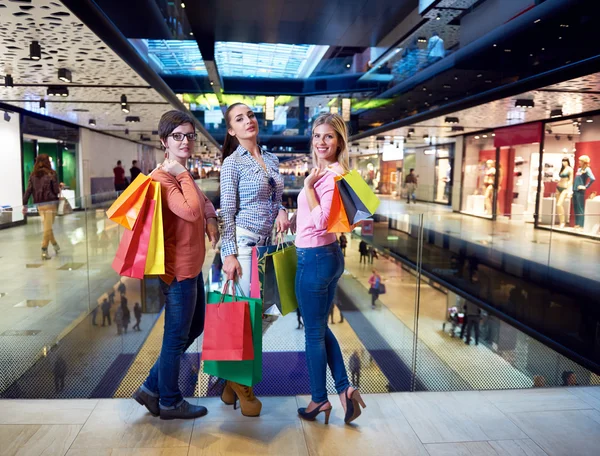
{"type": "Point", "coordinates": [70, 323]}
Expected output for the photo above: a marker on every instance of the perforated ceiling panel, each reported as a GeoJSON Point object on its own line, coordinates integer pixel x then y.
{"type": "Point", "coordinates": [67, 43]}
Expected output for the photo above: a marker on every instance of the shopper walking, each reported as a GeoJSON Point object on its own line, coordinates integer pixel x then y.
{"type": "Point", "coordinates": [343, 243]}
{"type": "Point", "coordinates": [375, 283]}
{"type": "Point", "coordinates": [411, 186]}
{"type": "Point", "coordinates": [43, 186]}
{"type": "Point", "coordinates": [134, 171]}
{"type": "Point", "coordinates": [137, 313]}
{"type": "Point", "coordinates": [106, 312]}
{"type": "Point", "coordinates": [126, 313]}
{"type": "Point", "coordinates": [320, 266]}
{"type": "Point", "coordinates": [251, 190]}
{"type": "Point", "coordinates": [187, 215]}
{"type": "Point", "coordinates": [363, 249]}
{"type": "Point", "coordinates": [120, 180]}
{"type": "Point", "coordinates": [354, 365]}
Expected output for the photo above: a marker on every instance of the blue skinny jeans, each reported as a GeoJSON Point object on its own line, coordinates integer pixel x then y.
{"type": "Point", "coordinates": [317, 276]}
{"type": "Point", "coordinates": [184, 323]}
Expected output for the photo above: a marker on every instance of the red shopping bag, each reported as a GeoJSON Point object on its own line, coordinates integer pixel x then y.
{"type": "Point", "coordinates": [130, 260]}
{"type": "Point", "coordinates": [228, 331]}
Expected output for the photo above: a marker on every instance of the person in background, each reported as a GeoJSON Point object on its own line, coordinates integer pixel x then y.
{"type": "Point", "coordinates": [435, 48]}
{"type": "Point", "coordinates": [43, 186]}
{"type": "Point", "coordinates": [251, 204]}
{"type": "Point", "coordinates": [539, 381]}
{"type": "Point", "coordinates": [320, 266]}
{"type": "Point", "coordinates": [372, 254]}
{"type": "Point", "coordinates": [119, 320]}
{"type": "Point", "coordinates": [134, 170]}
{"type": "Point", "coordinates": [363, 249]}
{"type": "Point", "coordinates": [120, 180]}
{"type": "Point", "coordinates": [95, 314]}
{"type": "Point", "coordinates": [137, 313]}
{"type": "Point", "coordinates": [299, 316]}
{"type": "Point", "coordinates": [343, 243]}
{"type": "Point", "coordinates": [569, 378]}
{"type": "Point", "coordinates": [188, 216]}
{"type": "Point", "coordinates": [411, 186]}
{"type": "Point", "coordinates": [354, 365]}
{"type": "Point", "coordinates": [374, 282]}
{"type": "Point", "coordinates": [126, 313]}
{"type": "Point", "coordinates": [471, 321]}
{"type": "Point", "coordinates": [106, 312]}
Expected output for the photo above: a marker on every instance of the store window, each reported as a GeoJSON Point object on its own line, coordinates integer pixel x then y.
{"type": "Point", "coordinates": [369, 167]}
{"type": "Point", "coordinates": [443, 174]}
{"type": "Point", "coordinates": [479, 171]}
{"type": "Point", "coordinates": [569, 200]}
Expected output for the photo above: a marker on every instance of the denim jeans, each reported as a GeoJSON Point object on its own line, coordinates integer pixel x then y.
{"type": "Point", "coordinates": [317, 276]}
{"type": "Point", "coordinates": [184, 322]}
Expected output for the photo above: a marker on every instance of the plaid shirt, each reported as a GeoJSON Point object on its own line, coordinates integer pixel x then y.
{"type": "Point", "coordinates": [247, 198]}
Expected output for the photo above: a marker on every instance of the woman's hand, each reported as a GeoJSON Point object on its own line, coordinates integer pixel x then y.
{"type": "Point", "coordinates": [172, 167]}
{"type": "Point", "coordinates": [232, 267]}
{"type": "Point", "coordinates": [293, 223]}
{"type": "Point", "coordinates": [313, 178]}
{"type": "Point", "coordinates": [582, 187]}
{"type": "Point", "coordinates": [24, 210]}
{"type": "Point", "coordinates": [212, 229]}
{"type": "Point", "coordinates": [282, 222]}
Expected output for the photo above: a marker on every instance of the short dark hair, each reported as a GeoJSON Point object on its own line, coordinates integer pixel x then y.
{"type": "Point", "coordinates": [171, 120]}
{"type": "Point", "coordinates": [411, 170]}
{"type": "Point", "coordinates": [134, 162]}
{"type": "Point", "coordinates": [118, 162]}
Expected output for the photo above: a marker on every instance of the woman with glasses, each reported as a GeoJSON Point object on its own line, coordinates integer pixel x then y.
{"type": "Point", "coordinates": [251, 190]}
{"type": "Point", "coordinates": [188, 215]}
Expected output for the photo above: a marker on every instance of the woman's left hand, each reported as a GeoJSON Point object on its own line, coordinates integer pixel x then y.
{"type": "Point", "coordinates": [212, 229]}
{"type": "Point", "coordinates": [313, 177]}
{"type": "Point", "coordinates": [282, 222]}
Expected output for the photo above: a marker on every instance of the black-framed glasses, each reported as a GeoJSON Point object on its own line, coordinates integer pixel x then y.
{"type": "Point", "coordinates": [179, 136]}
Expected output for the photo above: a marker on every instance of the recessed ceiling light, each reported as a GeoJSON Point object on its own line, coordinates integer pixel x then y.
{"type": "Point", "coordinates": [43, 105]}
{"type": "Point", "coordinates": [476, 137]}
{"type": "Point", "coordinates": [124, 104]}
{"type": "Point", "coordinates": [493, 134]}
{"type": "Point", "coordinates": [58, 91]}
{"type": "Point", "coordinates": [485, 136]}
{"type": "Point", "coordinates": [191, 33]}
{"type": "Point", "coordinates": [182, 5]}
{"type": "Point", "coordinates": [556, 112]}
{"type": "Point", "coordinates": [35, 51]}
{"type": "Point", "coordinates": [348, 65]}
{"type": "Point", "coordinates": [132, 119]}
{"type": "Point", "coordinates": [451, 120]}
{"type": "Point", "coordinates": [524, 103]}
{"type": "Point", "coordinates": [536, 21]}
{"type": "Point", "coordinates": [92, 122]}
{"type": "Point", "coordinates": [65, 75]}
{"type": "Point", "coordinates": [589, 120]}
{"type": "Point", "coordinates": [438, 17]}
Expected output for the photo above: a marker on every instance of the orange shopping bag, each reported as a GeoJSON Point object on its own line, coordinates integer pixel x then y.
{"type": "Point", "coordinates": [126, 208]}
{"type": "Point", "coordinates": [338, 219]}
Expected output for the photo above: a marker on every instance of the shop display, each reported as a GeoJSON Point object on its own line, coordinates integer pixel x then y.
{"type": "Point", "coordinates": [488, 185]}
{"type": "Point", "coordinates": [563, 189]}
{"type": "Point", "coordinates": [583, 179]}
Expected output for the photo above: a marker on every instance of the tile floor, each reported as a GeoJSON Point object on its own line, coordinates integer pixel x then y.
{"type": "Point", "coordinates": [532, 422]}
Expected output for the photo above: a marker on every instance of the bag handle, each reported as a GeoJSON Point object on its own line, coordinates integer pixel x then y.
{"type": "Point", "coordinates": [233, 294]}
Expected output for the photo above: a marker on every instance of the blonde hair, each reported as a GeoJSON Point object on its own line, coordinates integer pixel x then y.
{"type": "Point", "coordinates": [339, 126]}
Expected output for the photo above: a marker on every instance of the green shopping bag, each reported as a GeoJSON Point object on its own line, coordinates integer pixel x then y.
{"type": "Point", "coordinates": [285, 262]}
{"type": "Point", "coordinates": [362, 190]}
{"type": "Point", "coordinates": [249, 372]}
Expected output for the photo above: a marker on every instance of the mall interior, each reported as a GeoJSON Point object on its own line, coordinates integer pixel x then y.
{"type": "Point", "coordinates": [493, 105]}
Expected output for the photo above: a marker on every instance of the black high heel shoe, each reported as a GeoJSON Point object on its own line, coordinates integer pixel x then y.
{"type": "Point", "coordinates": [353, 404]}
{"type": "Point", "coordinates": [312, 415]}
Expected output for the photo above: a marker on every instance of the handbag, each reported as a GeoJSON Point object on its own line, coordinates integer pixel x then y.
{"type": "Point", "coordinates": [130, 259]}
{"type": "Point", "coordinates": [228, 330]}
{"type": "Point", "coordinates": [382, 288]}
{"type": "Point", "coordinates": [155, 260]}
{"type": "Point", "coordinates": [248, 372]}
{"type": "Point", "coordinates": [126, 209]}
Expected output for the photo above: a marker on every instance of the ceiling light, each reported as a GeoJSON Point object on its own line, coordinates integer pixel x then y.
{"type": "Point", "coordinates": [524, 103]}
{"type": "Point", "coordinates": [536, 21]}
{"type": "Point", "coordinates": [479, 75]}
{"type": "Point", "coordinates": [6, 116]}
{"type": "Point", "coordinates": [575, 123]}
{"type": "Point", "coordinates": [564, 25]}
{"type": "Point", "coordinates": [457, 128]}
{"type": "Point", "coordinates": [65, 75]}
{"type": "Point", "coordinates": [556, 112]}
{"type": "Point", "coordinates": [124, 105]}
{"type": "Point", "coordinates": [92, 122]}
{"type": "Point", "coordinates": [425, 136]}
{"type": "Point", "coordinates": [476, 137]}
{"type": "Point", "coordinates": [43, 105]}
{"type": "Point", "coordinates": [127, 131]}
{"type": "Point", "coordinates": [438, 17]}
{"type": "Point", "coordinates": [35, 51]}
{"type": "Point", "coordinates": [212, 83]}
{"type": "Point", "coordinates": [182, 5]}
{"type": "Point", "coordinates": [495, 45]}
{"type": "Point", "coordinates": [57, 91]}
{"type": "Point", "coordinates": [493, 134]}
{"type": "Point", "coordinates": [452, 120]}
{"type": "Point", "coordinates": [8, 81]}
{"type": "Point", "coordinates": [589, 120]}
{"type": "Point", "coordinates": [447, 86]}
{"type": "Point", "coordinates": [132, 119]}
{"type": "Point", "coordinates": [422, 39]}
{"type": "Point", "coordinates": [191, 33]}
{"type": "Point", "coordinates": [348, 65]}
{"type": "Point", "coordinates": [485, 136]}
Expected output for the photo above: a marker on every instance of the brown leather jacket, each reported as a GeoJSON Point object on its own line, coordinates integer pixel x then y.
{"type": "Point", "coordinates": [43, 188]}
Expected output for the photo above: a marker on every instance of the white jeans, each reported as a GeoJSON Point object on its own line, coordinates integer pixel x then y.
{"type": "Point", "coordinates": [245, 240]}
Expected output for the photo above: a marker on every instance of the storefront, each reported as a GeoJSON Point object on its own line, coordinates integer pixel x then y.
{"type": "Point", "coordinates": [514, 173]}
{"type": "Point", "coordinates": [10, 170]}
{"type": "Point", "coordinates": [433, 168]}
{"type": "Point", "coordinates": [369, 167]}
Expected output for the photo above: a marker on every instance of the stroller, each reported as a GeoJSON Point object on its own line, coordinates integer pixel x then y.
{"type": "Point", "coordinates": [455, 319]}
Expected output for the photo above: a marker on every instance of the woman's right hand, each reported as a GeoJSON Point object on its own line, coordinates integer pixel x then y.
{"type": "Point", "coordinates": [293, 223]}
{"type": "Point", "coordinates": [232, 267]}
{"type": "Point", "coordinates": [172, 167]}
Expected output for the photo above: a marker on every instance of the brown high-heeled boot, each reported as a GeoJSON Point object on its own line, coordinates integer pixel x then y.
{"type": "Point", "coordinates": [249, 404]}
{"type": "Point", "coordinates": [227, 395]}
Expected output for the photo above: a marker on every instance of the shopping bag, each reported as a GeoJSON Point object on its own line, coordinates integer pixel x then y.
{"type": "Point", "coordinates": [125, 210]}
{"type": "Point", "coordinates": [155, 261]}
{"type": "Point", "coordinates": [355, 208]}
{"type": "Point", "coordinates": [228, 331]}
{"type": "Point", "coordinates": [382, 288]}
{"type": "Point", "coordinates": [338, 219]}
{"type": "Point", "coordinates": [247, 372]}
{"type": "Point", "coordinates": [64, 207]}
{"type": "Point", "coordinates": [285, 262]}
{"type": "Point", "coordinates": [362, 190]}
{"type": "Point", "coordinates": [130, 260]}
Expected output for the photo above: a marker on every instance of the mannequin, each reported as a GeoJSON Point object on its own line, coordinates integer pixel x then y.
{"type": "Point", "coordinates": [583, 179]}
{"type": "Point", "coordinates": [564, 189]}
{"type": "Point", "coordinates": [488, 184]}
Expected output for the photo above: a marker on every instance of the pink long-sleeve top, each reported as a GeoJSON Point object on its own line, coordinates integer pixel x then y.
{"type": "Point", "coordinates": [311, 226]}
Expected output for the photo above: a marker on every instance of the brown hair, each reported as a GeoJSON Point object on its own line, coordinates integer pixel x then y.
{"type": "Point", "coordinates": [42, 165]}
{"type": "Point", "coordinates": [231, 143]}
{"type": "Point", "coordinates": [171, 120]}
{"type": "Point", "coordinates": [339, 126]}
